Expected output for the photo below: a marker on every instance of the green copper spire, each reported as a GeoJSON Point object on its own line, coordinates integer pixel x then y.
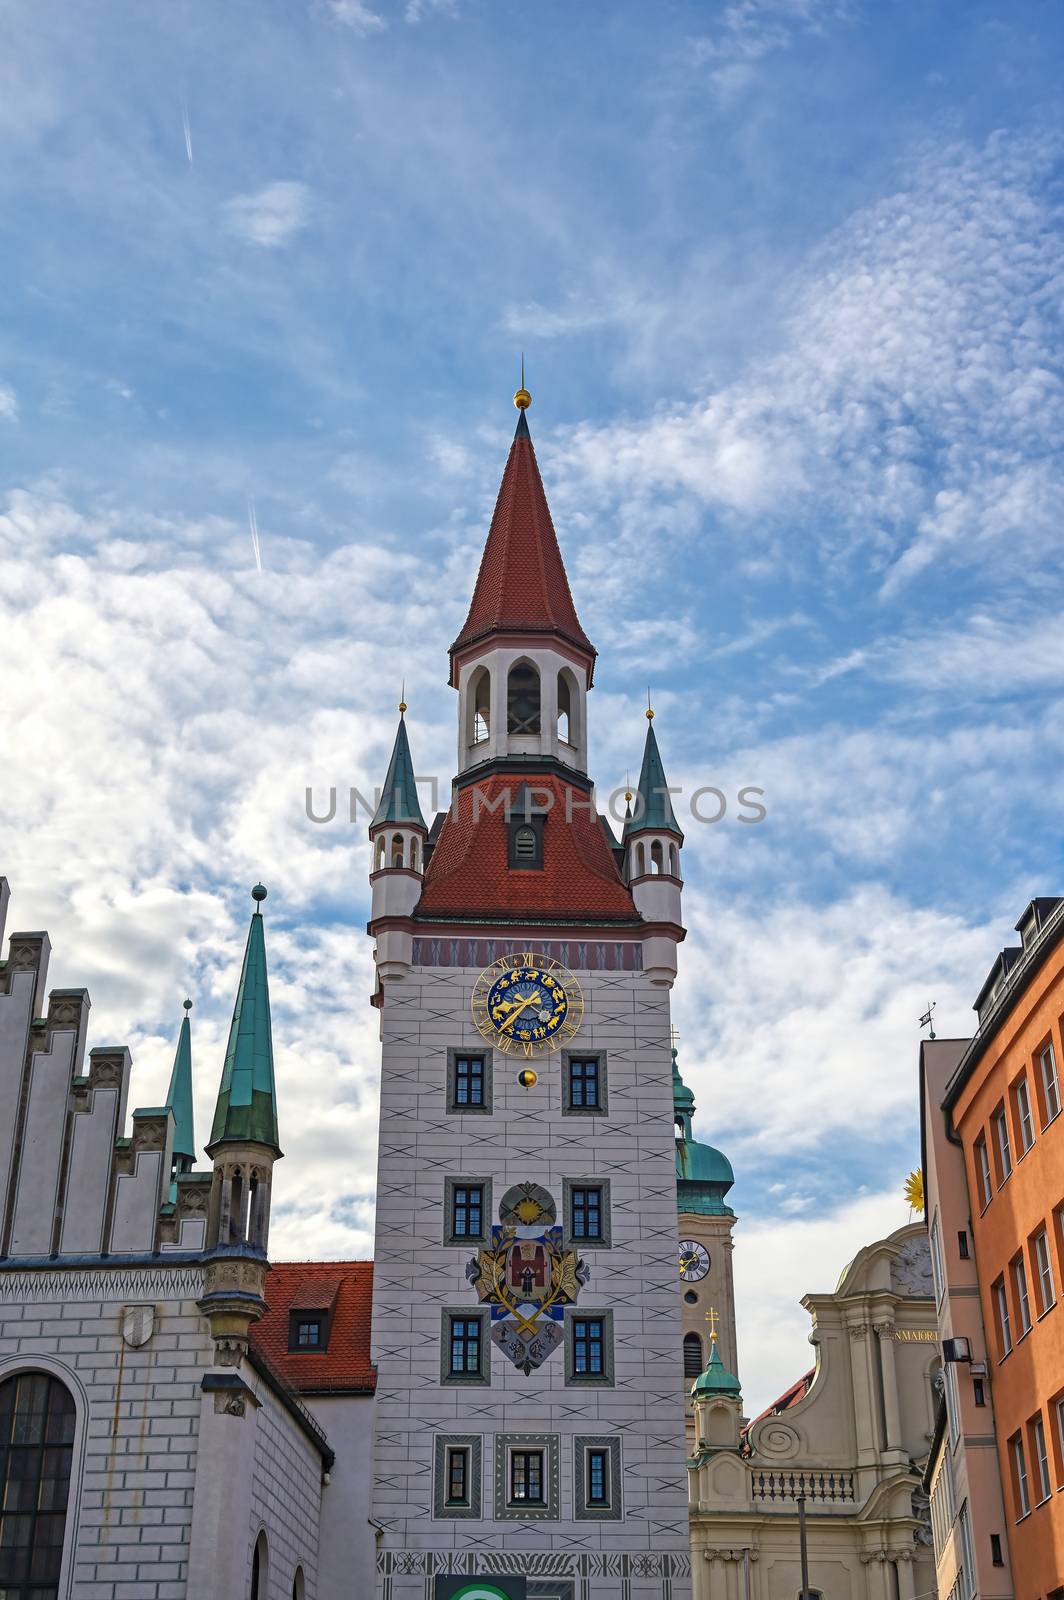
{"type": "Point", "coordinates": [179, 1098]}
{"type": "Point", "coordinates": [655, 804]}
{"type": "Point", "coordinates": [247, 1102]}
{"type": "Point", "coordinates": [703, 1175]}
{"type": "Point", "coordinates": [399, 802]}
{"type": "Point", "coordinates": [716, 1379]}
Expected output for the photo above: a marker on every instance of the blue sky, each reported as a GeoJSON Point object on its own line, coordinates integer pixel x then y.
{"type": "Point", "coordinates": [787, 276]}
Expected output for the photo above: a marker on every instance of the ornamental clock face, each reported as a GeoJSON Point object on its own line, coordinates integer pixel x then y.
{"type": "Point", "coordinates": [694, 1260]}
{"type": "Point", "coordinates": [527, 1005]}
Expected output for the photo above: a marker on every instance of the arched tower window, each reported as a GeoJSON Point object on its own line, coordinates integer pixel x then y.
{"type": "Point", "coordinates": [674, 861]}
{"type": "Point", "coordinates": [297, 1585]}
{"type": "Point", "coordinates": [382, 845]}
{"type": "Point", "coordinates": [260, 1568]}
{"type": "Point", "coordinates": [522, 699]}
{"type": "Point", "coordinates": [36, 1451]}
{"type": "Point", "coordinates": [566, 708]}
{"type": "Point", "coordinates": [413, 855]}
{"type": "Point", "coordinates": [657, 857]}
{"type": "Point", "coordinates": [692, 1355]}
{"type": "Point", "coordinates": [482, 707]}
{"type": "Point", "coordinates": [640, 860]}
{"type": "Point", "coordinates": [397, 850]}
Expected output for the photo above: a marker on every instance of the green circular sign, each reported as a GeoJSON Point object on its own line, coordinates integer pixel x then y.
{"type": "Point", "coordinates": [479, 1591]}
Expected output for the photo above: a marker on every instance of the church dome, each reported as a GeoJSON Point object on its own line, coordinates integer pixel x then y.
{"type": "Point", "coordinates": [716, 1380]}
{"type": "Point", "coordinates": [700, 1163]}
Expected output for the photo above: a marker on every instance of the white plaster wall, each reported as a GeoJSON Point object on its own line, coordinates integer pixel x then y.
{"type": "Point", "coordinates": [42, 1145]}
{"type": "Point", "coordinates": [527, 1138]}
{"type": "Point", "coordinates": [140, 1439]}
{"type": "Point", "coordinates": [286, 1495]}
{"type": "Point", "coordinates": [347, 1546]}
{"type": "Point", "coordinates": [16, 1011]}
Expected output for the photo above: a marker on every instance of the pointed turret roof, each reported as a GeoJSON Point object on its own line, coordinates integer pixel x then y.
{"type": "Point", "coordinates": [655, 804]}
{"type": "Point", "coordinates": [399, 802]}
{"type": "Point", "coordinates": [179, 1094]}
{"type": "Point", "coordinates": [521, 586]}
{"type": "Point", "coordinates": [716, 1379]}
{"type": "Point", "coordinates": [247, 1102]}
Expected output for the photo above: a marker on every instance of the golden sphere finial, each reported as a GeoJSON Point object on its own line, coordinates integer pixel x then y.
{"type": "Point", "coordinates": [649, 714]}
{"type": "Point", "coordinates": [522, 399]}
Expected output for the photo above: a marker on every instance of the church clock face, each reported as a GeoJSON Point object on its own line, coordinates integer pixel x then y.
{"type": "Point", "coordinates": [694, 1260]}
{"type": "Point", "coordinates": [527, 1005]}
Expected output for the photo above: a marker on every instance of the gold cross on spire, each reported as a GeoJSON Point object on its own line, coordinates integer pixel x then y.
{"type": "Point", "coordinates": [674, 1034]}
{"type": "Point", "coordinates": [712, 1319]}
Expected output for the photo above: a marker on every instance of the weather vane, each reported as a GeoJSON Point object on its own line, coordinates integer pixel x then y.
{"type": "Point", "coordinates": [712, 1319]}
{"type": "Point", "coordinates": [927, 1020]}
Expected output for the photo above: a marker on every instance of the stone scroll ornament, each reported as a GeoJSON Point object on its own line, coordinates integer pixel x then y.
{"type": "Point", "coordinates": [527, 1277]}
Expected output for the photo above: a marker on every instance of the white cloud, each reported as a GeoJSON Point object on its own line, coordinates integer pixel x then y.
{"type": "Point", "coordinates": [272, 216]}
{"type": "Point", "coordinates": [8, 404]}
{"type": "Point", "coordinates": [913, 413]}
{"type": "Point", "coordinates": [356, 15]}
{"type": "Point", "coordinates": [777, 1260]}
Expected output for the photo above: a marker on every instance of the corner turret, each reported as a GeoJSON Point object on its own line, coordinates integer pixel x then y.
{"type": "Point", "coordinates": [652, 843]}
{"type": "Point", "coordinates": [243, 1147]}
{"type": "Point", "coordinates": [397, 842]}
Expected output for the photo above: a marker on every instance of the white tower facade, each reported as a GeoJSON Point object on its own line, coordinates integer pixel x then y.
{"type": "Point", "coordinates": [526, 1325]}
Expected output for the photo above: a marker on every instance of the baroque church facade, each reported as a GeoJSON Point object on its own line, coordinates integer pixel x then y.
{"type": "Point", "coordinates": [501, 1405]}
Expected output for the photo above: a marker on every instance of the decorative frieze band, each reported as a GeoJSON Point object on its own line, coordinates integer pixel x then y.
{"type": "Point", "coordinates": [22, 1287]}
{"type": "Point", "coordinates": [582, 955]}
{"type": "Point", "coordinates": [530, 1564]}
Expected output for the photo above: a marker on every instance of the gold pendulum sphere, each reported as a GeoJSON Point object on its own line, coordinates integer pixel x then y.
{"type": "Point", "coordinates": [528, 1079]}
{"type": "Point", "coordinates": [522, 399]}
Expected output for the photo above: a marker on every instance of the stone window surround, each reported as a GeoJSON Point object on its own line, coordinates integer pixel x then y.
{"type": "Point", "coordinates": [467, 1314]}
{"type": "Point", "coordinates": [457, 1441]}
{"type": "Point", "coordinates": [595, 1380]}
{"type": "Point", "coordinates": [464, 1182]}
{"type": "Point", "coordinates": [504, 1443]}
{"type": "Point", "coordinates": [453, 1108]}
{"type": "Point", "coordinates": [614, 1510]}
{"type": "Point", "coordinates": [605, 1239]}
{"type": "Point", "coordinates": [602, 1109]}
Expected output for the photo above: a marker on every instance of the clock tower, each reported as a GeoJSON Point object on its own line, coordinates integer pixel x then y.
{"type": "Point", "coordinates": [529, 1435]}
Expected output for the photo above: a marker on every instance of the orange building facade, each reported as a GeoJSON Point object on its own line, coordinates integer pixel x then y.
{"type": "Point", "coordinates": [1003, 1103]}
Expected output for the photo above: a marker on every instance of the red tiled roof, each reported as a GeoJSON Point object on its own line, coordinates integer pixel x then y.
{"type": "Point", "coordinates": [521, 584]}
{"type": "Point", "coordinates": [315, 1285]}
{"type": "Point", "coordinates": [467, 874]}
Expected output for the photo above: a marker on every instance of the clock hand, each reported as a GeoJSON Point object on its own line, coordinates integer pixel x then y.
{"type": "Point", "coordinates": [508, 1025]}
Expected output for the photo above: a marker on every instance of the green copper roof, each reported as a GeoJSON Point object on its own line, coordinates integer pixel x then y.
{"type": "Point", "coordinates": [399, 801]}
{"type": "Point", "coordinates": [716, 1379]}
{"type": "Point", "coordinates": [179, 1094]}
{"type": "Point", "coordinates": [247, 1101]}
{"type": "Point", "coordinates": [703, 1175]}
{"type": "Point", "coordinates": [655, 810]}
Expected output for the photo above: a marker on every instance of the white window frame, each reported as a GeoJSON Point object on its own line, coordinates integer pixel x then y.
{"type": "Point", "coordinates": [1023, 1298]}
{"type": "Point", "coordinates": [1050, 1082]}
{"type": "Point", "coordinates": [1043, 1260]}
{"type": "Point", "coordinates": [986, 1183]}
{"type": "Point", "coordinates": [1059, 1409]}
{"type": "Point", "coordinates": [1004, 1317]}
{"type": "Point", "coordinates": [1019, 1468]}
{"type": "Point", "coordinates": [1045, 1483]}
{"type": "Point", "coordinates": [1024, 1116]}
{"type": "Point", "coordinates": [968, 1584]}
{"type": "Point", "coordinates": [953, 1404]}
{"type": "Point", "coordinates": [1000, 1121]}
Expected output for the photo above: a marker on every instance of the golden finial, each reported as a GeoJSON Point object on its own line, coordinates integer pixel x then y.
{"type": "Point", "coordinates": [628, 788]}
{"type": "Point", "coordinates": [402, 698]}
{"type": "Point", "coordinates": [650, 708]}
{"type": "Point", "coordinates": [712, 1319]}
{"type": "Point", "coordinates": [522, 399]}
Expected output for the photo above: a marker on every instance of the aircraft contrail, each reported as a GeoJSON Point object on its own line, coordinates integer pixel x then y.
{"type": "Point", "coordinates": [188, 129]}
{"type": "Point", "coordinates": [253, 524]}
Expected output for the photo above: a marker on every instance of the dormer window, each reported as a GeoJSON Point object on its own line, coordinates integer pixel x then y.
{"type": "Point", "coordinates": [524, 822]}
{"type": "Point", "coordinates": [525, 844]}
{"type": "Point", "coordinates": [310, 1315]}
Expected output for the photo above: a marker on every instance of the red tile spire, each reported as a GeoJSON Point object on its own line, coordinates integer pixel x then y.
{"type": "Point", "coordinates": [521, 586]}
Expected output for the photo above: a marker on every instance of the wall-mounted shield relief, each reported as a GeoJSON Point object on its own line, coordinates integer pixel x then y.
{"type": "Point", "coordinates": [138, 1325]}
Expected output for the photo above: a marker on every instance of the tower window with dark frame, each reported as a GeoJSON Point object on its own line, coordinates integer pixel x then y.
{"type": "Point", "coordinates": [469, 1080]}
{"type": "Point", "coordinates": [588, 1346]}
{"type": "Point", "coordinates": [37, 1420]}
{"type": "Point", "coordinates": [526, 1478]}
{"type": "Point", "coordinates": [465, 1345]}
{"type": "Point", "coordinates": [525, 841]}
{"type": "Point", "coordinates": [467, 1211]}
{"type": "Point", "coordinates": [458, 1476]}
{"type": "Point", "coordinates": [598, 1478]}
{"type": "Point", "coordinates": [584, 1081]}
{"type": "Point", "coordinates": [586, 1207]}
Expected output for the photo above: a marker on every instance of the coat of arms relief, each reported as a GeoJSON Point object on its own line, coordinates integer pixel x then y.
{"type": "Point", "coordinates": [527, 1276]}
